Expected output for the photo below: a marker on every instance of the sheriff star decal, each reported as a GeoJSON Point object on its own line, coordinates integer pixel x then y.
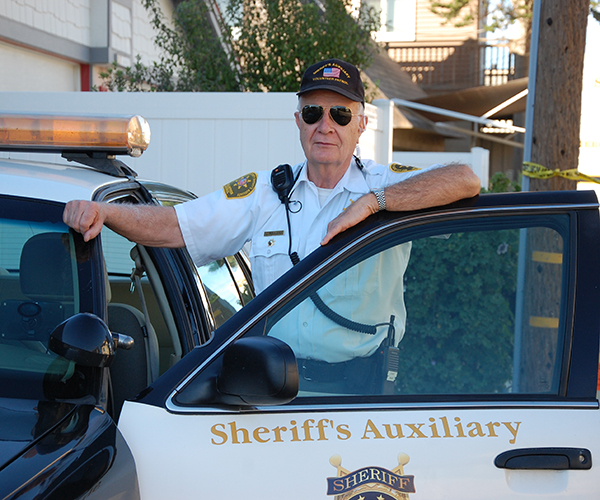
{"type": "Point", "coordinates": [240, 188]}
{"type": "Point", "coordinates": [370, 483]}
{"type": "Point", "coordinates": [398, 169]}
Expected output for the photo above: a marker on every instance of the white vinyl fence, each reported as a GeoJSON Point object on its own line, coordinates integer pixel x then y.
{"type": "Point", "coordinates": [478, 159]}
{"type": "Point", "coordinates": [201, 141]}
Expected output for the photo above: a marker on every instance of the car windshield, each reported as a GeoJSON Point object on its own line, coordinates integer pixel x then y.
{"type": "Point", "coordinates": [45, 278]}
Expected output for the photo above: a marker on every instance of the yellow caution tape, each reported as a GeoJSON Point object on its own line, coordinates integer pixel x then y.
{"type": "Point", "coordinates": [548, 257]}
{"type": "Point", "coordinates": [538, 171]}
{"type": "Point", "coordinates": [539, 322]}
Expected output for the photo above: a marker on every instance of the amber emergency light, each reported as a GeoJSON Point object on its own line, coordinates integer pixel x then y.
{"type": "Point", "coordinates": [54, 133]}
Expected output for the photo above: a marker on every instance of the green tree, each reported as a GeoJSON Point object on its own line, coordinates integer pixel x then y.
{"type": "Point", "coordinates": [452, 286]}
{"type": "Point", "coordinates": [193, 57]}
{"type": "Point", "coordinates": [278, 39]}
{"type": "Point", "coordinates": [499, 13]}
{"type": "Point", "coordinates": [257, 45]}
{"type": "Point", "coordinates": [595, 10]}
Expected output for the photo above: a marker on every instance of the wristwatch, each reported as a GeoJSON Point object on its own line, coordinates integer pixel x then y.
{"type": "Point", "coordinates": [380, 195]}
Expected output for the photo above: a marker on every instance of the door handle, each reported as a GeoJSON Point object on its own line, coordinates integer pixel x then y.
{"type": "Point", "coordinates": [545, 459]}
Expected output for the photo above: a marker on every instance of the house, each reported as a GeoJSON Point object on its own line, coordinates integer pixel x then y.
{"type": "Point", "coordinates": [461, 71]}
{"type": "Point", "coordinates": [64, 45]}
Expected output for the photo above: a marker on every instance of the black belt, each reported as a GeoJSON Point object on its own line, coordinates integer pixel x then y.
{"type": "Point", "coordinates": [311, 369]}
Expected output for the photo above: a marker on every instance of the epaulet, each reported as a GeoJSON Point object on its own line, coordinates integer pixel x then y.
{"type": "Point", "coordinates": [240, 188]}
{"type": "Point", "coordinates": [398, 169]}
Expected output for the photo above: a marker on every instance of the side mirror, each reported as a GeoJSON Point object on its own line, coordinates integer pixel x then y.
{"type": "Point", "coordinates": [258, 371]}
{"type": "Point", "coordinates": [254, 371]}
{"type": "Point", "coordinates": [84, 339]}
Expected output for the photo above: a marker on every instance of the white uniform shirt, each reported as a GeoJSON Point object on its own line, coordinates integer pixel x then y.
{"type": "Point", "coordinates": [216, 225]}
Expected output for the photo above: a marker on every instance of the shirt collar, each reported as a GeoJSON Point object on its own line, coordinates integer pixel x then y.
{"type": "Point", "coordinates": [353, 180]}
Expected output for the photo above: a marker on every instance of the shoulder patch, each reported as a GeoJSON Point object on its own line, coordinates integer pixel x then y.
{"type": "Point", "coordinates": [398, 169]}
{"type": "Point", "coordinates": [242, 187]}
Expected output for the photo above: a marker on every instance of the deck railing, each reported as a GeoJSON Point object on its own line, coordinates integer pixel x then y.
{"type": "Point", "coordinates": [443, 68]}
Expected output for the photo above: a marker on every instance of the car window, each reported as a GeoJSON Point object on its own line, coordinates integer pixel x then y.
{"type": "Point", "coordinates": [226, 285]}
{"type": "Point", "coordinates": [241, 280]}
{"type": "Point", "coordinates": [471, 308]}
{"type": "Point", "coordinates": [45, 278]}
{"type": "Point", "coordinates": [124, 293]}
{"type": "Point", "coordinates": [227, 288]}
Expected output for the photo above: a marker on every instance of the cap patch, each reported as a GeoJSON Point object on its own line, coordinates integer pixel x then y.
{"type": "Point", "coordinates": [398, 169]}
{"type": "Point", "coordinates": [240, 188]}
{"type": "Point", "coordinates": [332, 71]}
{"type": "Point", "coordinates": [334, 75]}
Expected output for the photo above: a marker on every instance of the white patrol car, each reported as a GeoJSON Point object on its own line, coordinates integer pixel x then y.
{"type": "Point", "coordinates": [486, 390]}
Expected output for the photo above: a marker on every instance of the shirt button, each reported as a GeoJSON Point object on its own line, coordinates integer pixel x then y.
{"type": "Point", "coordinates": [305, 324]}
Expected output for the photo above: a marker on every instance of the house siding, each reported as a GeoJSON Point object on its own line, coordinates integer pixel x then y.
{"type": "Point", "coordinates": [90, 33]}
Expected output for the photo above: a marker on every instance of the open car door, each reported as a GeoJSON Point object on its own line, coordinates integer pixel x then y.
{"type": "Point", "coordinates": [484, 388]}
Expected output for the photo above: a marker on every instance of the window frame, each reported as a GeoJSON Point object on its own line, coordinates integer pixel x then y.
{"type": "Point", "coordinates": [174, 268]}
{"type": "Point", "coordinates": [465, 225]}
{"type": "Point", "coordinates": [582, 367]}
{"type": "Point", "coordinates": [91, 299]}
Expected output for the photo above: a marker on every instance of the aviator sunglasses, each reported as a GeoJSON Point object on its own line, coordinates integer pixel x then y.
{"type": "Point", "coordinates": [311, 113]}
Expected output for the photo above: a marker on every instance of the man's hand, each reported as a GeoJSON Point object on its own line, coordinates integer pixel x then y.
{"type": "Point", "coordinates": [85, 217]}
{"type": "Point", "coordinates": [358, 211]}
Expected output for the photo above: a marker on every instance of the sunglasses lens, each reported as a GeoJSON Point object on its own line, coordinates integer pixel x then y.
{"type": "Point", "coordinates": [341, 115]}
{"type": "Point", "coordinates": [312, 114]}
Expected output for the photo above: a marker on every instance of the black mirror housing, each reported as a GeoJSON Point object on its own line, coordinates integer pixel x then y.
{"type": "Point", "coordinates": [258, 371]}
{"type": "Point", "coordinates": [84, 339]}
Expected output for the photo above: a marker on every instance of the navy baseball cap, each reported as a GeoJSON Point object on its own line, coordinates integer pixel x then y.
{"type": "Point", "coordinates": [335, 75]}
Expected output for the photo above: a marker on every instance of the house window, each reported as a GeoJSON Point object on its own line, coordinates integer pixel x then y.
{"type": "Point", "coordinates": [398, 19]}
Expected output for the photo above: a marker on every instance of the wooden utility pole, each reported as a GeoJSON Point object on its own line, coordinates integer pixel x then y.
{"type": "Point", "coordinates": [558, 85]}
{"type": "Point", "coordinates": [552, 140]}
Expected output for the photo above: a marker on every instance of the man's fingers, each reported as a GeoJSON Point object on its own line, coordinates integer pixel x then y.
{"type": "Point", "coordinates": [92, 232]}
{"type": "Point", "coordinates": [337, 226]}
{"type": "Point", "coordinates": [84, 217]}
{"type": "Point", "coordinates": [332, 230]}
{"type": "Point", "coordinates": [355, 213]}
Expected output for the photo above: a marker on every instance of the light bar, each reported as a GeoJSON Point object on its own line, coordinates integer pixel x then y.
{"type": "Point", "coordinates": [54, 133]}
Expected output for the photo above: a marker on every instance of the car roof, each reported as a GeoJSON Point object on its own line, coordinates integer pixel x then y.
{"type": "Point", "coordinates": [48, 181]}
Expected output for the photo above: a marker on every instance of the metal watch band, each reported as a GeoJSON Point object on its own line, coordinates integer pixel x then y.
{"type": "Point", "coordinates": [380, 195]}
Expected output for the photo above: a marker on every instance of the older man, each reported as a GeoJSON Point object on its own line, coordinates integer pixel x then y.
{"type": "Point", "coordinates": [333, 190]}
{"type": "Point", "coordinates": [289, 212]}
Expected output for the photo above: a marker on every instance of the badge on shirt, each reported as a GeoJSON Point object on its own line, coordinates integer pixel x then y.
{"type": "Point", "coordinates": [240, 188]}
{"type": "Point", "coordinates": [398, 169]}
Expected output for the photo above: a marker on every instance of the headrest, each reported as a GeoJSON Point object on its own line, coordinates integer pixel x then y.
{"type": "Point", "coordinates": [46, 267]}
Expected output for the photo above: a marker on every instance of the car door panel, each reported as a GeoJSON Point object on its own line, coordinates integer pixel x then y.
{"type": "Point", "coordinates": [268, 454]}
{"type": "Point", "coordinates": [493, 394]}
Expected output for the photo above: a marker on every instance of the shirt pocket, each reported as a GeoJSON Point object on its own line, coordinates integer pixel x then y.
{"type": "Point", "coordinates": [269, 257]}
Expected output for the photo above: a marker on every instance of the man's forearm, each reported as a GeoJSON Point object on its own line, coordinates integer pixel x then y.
{"type": "Point", "coordinates": [145, 224]}
{"type": "Point", "coordinates": [432, 188]}
{"type": "Point", "coordinates": [429, 189]}
{"type": "Point", "coordinates": [149, 225]}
